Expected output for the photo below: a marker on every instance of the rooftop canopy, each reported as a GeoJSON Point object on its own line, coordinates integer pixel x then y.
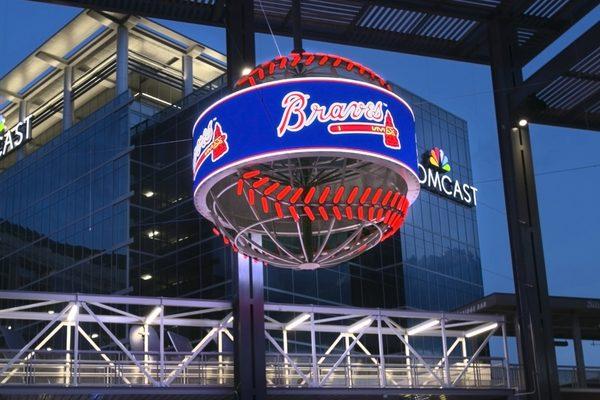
{"type": "Point", "coordinates": [564, 92]}
{"type": "Point", "coordinates": [563, 309]}
{"type": "Point", "coordinates": [87, 44]}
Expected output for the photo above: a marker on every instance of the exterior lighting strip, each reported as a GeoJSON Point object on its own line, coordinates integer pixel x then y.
{"type": "Point", "coordinates": [423, 327]}
{"type": "Point", "coordinates": [73, 313]}
{"type": "Point", "coordinates": [252, 77]}
{"type": "Point", "coordinates": [360, 325]}
{"type": "Point", "coordinates": [152, 316]}
{"type": "Point", "coordinates": [297, 321]}
{"type": "Point", "coordinates": [481, 329]}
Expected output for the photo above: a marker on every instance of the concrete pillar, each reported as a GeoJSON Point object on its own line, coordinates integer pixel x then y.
{"type": "Point", "coordinates": [578, 347]}
{"type": "Point", "coordinates": [122, 59]}
{"type": "Point", "coordinates": [188, 74]}
{"type": "Point", "coordinates": [68, 98]}
{"type": "Point", "coordinates": [22, 110]}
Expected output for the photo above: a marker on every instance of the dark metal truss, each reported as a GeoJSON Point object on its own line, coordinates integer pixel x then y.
{"type": "Point", "coordinates": [449, 29]}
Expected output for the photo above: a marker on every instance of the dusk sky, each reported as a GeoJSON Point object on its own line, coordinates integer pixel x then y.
{"type": "Point", "coordinates": [567, 161]}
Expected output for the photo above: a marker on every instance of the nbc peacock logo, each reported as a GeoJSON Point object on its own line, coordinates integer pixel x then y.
{"type": "Point", "coordinates": [439, 160]}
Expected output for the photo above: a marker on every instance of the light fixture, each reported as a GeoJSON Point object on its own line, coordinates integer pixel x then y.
{"type": "Point", "coordinates": [230, 320]}
{"type": "Point", "coordinates": [9, 327]}
{"type": "Point", "coordinates": [152, 316]}
{"type": "Point", "coordinates": [481, 329]}
{"type": "Point", "coordinates": [50, 312]}
{"type": "Point", "coordinates": [158, 100]}
{"type": "Point", "coordinates": [297, 321]}
{"type": "Point", "coordinates": [246, 71]}
{"type": "Point", "coordinates": [148, 193]}
{"type": "Point", "coordinates": [522, 122]}
{"type": "Point", "coordinates": [48, 348]}
{"type": "Point", "coordinates": [95, 336]}
{"type": "Point", "coordinates": [153, 234]}
{"type": "Point", "coordinates": [73, 313]}
{"type": "Point", "coordinates": [360, 324]}
{"type": "Point", "coordinates": [146, 277]}
{"type": "Point", "coordinates": [422, 327]}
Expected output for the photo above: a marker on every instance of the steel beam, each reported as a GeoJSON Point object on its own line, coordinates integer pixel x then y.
{"type": "Point", "coordinates": [539, 359]}
{"type": "Point", "coordinates": [558, 65]}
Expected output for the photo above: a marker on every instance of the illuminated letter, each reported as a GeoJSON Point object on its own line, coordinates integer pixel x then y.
{"type": "Point", "coordinates": [293, 104]}
{"type": "Point", "coordinates": [446, 179]}
{"type": "Point", "coordinates": [8, 142]}
{"type": "Point", "coordinates": [457, 190]}
{"type": "Point", "coordinates": [474, 189]}
{"type": "Point", "coordinates": [423, 174]}
{"type": "Point", "coordinates": [434, 180]}
{"type": "Point", "coordinates": [467, 194]}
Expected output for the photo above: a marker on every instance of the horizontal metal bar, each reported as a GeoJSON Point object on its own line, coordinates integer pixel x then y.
{"type": "Point", "coordinates": [274, 307]}
{"type": "Point", "coordinates": [363, 312]}
{"type": "Point", "coordinates": [114, 299]}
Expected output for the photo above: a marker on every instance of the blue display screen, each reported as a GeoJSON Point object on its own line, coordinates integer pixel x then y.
{"type": "Point", "coordinates": [314, 114]}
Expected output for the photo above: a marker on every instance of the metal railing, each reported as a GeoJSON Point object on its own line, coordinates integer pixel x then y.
{"type": "Point", "coordinates": [568, 378]}
{"type": "Point", "coordinates": [125, 341]}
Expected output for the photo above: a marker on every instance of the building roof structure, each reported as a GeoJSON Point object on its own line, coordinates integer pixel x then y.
{"type": "Point", "coordinates": [563, 310]}
{"type": "Point", "coordinates": [87, 43]}
{"type": "Point", "coordinates": [565, 92]}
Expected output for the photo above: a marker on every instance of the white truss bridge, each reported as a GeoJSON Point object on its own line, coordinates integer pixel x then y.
{"type": "Point", "coordinates": [80, 343]}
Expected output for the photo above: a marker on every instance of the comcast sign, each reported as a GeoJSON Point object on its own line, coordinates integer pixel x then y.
{"type": "Point", "coordinates": [12, 139]}
{"type": "Point", "coordinates": [434, 175]}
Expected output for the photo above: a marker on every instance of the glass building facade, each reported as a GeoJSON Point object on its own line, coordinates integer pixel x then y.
{"type": "Point", "coordinates": [432, 264]}
{"type": "Point", "coordinates": [64, 209]}
{"type": "Point", "coordinates": [106, 207]}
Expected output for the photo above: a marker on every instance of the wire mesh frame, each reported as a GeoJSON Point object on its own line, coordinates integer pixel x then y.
{"type": "Point", "coordinates": [309, 212]}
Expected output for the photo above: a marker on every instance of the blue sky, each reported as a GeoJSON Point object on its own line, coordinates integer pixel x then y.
{"type": "Point", "coordinates": [567, 200]}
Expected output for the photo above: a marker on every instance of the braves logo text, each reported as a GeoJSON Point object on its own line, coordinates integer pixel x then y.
{"type": "Point", "coordinates": [298, 114]}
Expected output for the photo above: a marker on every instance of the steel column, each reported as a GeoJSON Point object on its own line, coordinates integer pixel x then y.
{"type": "Point", "coordinates": [248, 297]}
{"type": "Point", "coordinates": [297, 25]}
{"type": "Point", "coordinates": [240, 38]}
{"type": "Point", "coordinates": [529, 271]}
{"type": "Point", "coordinates": [249, 330]}
{"type": "Point", "coordinates": [445, 353]}
{"type": "Point", "coordinates": [579, 360]}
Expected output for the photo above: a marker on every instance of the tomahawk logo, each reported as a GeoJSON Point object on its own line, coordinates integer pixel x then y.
{"type": "Point", "coordinates": [387, 129]}
{"type": "Point", "coordinates": [212, 142]}
{"type": "Point", "coordinates": [298, 114]}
